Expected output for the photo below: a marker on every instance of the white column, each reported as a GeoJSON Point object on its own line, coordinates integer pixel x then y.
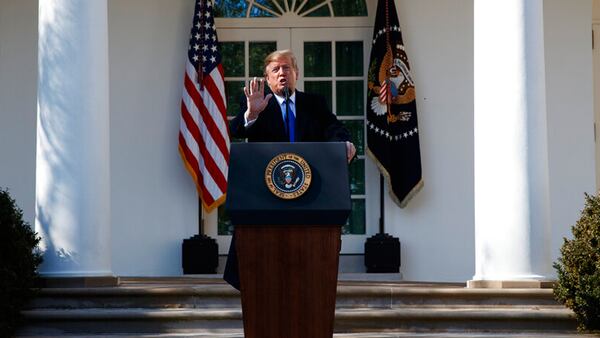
{"type": "Point", "coordinates": [72, 169]}
{"type": "Point", "coordinates": [512, 227]}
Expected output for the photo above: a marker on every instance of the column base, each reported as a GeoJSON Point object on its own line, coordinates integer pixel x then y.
{"type": "Point", "coordinates": [78, 282]}
{"type": "Point", "coordinates": [511, 284]}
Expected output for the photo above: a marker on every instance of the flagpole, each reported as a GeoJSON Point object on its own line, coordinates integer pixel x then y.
{"type": "Point", "coordinates": [200, 221]}
{"type": "Point", "coordinates": [381, 206]}
{"type": "Point", "coordinates": [382, 250]}
{"type": "Point", "coordinates": [200, 253]}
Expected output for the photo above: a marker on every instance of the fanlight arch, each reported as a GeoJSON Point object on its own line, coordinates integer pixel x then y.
{"type": "Point", "coordinates": [287, 8]}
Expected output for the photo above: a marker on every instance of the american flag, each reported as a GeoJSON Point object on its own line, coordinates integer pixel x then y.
{"type": "Point", "coordinates": [203, 132]}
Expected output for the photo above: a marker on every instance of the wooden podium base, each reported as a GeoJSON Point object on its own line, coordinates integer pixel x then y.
{"type": "Point", "coordinates": [288, 278]}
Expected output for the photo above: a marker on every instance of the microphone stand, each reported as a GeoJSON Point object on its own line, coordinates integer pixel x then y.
{"type": "Point", "coordinates": [286, 93]}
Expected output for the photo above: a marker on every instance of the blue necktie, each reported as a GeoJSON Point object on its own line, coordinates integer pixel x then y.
{"type": "Point", "coordinates": [290, 120]}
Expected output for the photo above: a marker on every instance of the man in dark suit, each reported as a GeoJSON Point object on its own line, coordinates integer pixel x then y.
{"type": "Point", "coordinates": [283, 115]}
{"type": "Point", "coordinates": [263, 118]}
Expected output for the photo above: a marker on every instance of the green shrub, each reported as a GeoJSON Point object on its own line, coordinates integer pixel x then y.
{"type": "Point", "coordinates": [578, 267]}
{"type": "Point", "coordinates": [19, 259]}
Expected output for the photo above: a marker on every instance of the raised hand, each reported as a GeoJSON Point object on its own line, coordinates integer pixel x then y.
{"type": "Point", "coordinates": [255, 99]}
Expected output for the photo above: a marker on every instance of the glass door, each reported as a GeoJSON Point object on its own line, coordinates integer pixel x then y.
{"type": "Point", "coordinates": [333, 62]}
{"type": "Point", "coordinates": [243, 52]}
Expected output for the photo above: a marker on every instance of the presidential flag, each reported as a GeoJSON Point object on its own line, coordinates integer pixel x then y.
{"type": "Point", "coordinates": [203, 130]}
{"type": "Point", "coordinates": [392, 131]}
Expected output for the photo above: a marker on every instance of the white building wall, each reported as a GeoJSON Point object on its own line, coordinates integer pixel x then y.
{"type": "Point", "coordinates": [154, 203]}
{"type": "Point", "coordinates": [436, 229]}
{"type": "Point", "coordinates": [569, 99]}
{"type": "Point", "coordinates": [18, 97]}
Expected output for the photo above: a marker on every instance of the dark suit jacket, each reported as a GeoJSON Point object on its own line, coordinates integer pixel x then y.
{"type": "Point", "coordinates": [314, 123]}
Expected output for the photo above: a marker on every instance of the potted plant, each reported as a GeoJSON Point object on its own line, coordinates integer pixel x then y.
{"type": "Point", "coordinates": [578, 268]}
{"type": "Point", "coordinates": [19, 259]}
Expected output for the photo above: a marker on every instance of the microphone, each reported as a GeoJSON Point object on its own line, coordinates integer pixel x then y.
{"type": "Point", "coordinates": [289, 120]}
{"type": "Point", "coordinates": [286, 93]}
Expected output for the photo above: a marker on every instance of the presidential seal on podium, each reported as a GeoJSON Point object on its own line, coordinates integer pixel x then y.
{"type": "Point", "coordinates": [288, 176]}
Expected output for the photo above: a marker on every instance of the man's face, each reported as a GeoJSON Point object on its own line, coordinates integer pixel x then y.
{"type": "Point", "coordinates": [281, 74]}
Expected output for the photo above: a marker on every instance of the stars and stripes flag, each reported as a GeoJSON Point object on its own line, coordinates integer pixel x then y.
{"type": "Point", "coordinates": [392, 131]}
{"type": "Point", "coordinates": [203, 131]}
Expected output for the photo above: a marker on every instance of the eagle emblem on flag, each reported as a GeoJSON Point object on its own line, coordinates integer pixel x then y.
{"type": "Point", "coordinates": [391, 82]}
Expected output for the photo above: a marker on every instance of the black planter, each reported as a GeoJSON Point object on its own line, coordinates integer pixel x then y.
{"type": "Point", "coordinates": [382, 254]}
{"type": "Point", "coordinates": [199, 255]}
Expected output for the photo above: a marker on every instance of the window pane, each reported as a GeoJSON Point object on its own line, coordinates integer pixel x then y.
{"type": "Point", "coordinates": [349, 58]}
{"type": "Point", "coordinates": [234, 91]}
{"type": "Point", "coordinates": [349, 7]}
{"type": "Point", "coordinates": [356, 222]}
{"type": "Point", "coordinates": [224, 223]}
{"type": "Point", "coordinates": [322, 11]}
{"type": "Point", "coordinates": [357, 134]}
{"type": "Point", "coordinates": [350, 98]}
{"type": "Point", "coordinates": [319, 87]}
{"type": "Point", "coordinates": [230, 8]}
{"type": "Point", "coordinates": [310, 4]}
{"type": "Point", "coordinates": [258, 53]}
{"type": "Point", "coordinates": [317, 59]}
{"type": "Point", "coordinates": [256, 12]}
{"type": "Point", "coordinates": [357, 177]}
{"type": "Point", "coordinates": [266, 4]}
{"type": "Point", "coordinates": [233, 58]}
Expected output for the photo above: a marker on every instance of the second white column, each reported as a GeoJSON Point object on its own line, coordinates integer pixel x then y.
{"type": "Point", "coordinates": [511, 162]}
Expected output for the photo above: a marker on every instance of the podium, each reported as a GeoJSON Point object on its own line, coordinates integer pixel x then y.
{"type": "Point", "coordinates": [288, 234]}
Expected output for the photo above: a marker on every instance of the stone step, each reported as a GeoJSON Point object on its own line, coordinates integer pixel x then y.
{"type": "Point", "coordinates": [529, 334]}
{"type": "Point", "coordinates": [398, 295]}
{"type": "Point", "coordinates": [355, 320]}
{"type": "Point", "coordinates": [219, 295]}
{"type": "Point", "coordinates": [185, 306]}
{"type": "Point", "coordinates": [200, 296]}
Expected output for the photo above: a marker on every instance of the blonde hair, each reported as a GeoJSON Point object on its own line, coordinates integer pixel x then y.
{"type": "Point", "coordinates": [281, 54]}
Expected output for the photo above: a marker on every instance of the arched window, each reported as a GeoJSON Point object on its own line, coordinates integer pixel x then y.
{"type": "Point", "coordinates": [279, 8]}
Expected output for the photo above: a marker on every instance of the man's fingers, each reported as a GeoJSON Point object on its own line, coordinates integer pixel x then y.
{"type": "Point", "coordinates": [255, 85]}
